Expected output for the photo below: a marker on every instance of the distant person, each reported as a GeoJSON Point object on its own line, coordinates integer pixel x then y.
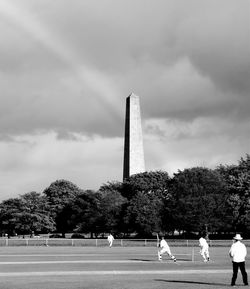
{"type": "Point", "coordinates": [238, 252]}
{"type": "Point", "coordinates": [110, 240]}
{"type": "Point", "coordinates": [164, 248]}
{"type": "Point", "coordinates": [204, 251]}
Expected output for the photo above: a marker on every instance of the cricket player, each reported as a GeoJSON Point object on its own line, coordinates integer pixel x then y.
{"type": "Point", "coordinates": [110, 240]}
{"type": "Point", "coordinates": [164, 248]}
{"type": "Point", "coordinates": [238, 252]}
{"type": "Point", "coordinates": [204, 251]}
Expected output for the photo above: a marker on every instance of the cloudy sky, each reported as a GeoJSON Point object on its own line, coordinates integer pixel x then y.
{"type": "Point", "coordinates": [66, 68]}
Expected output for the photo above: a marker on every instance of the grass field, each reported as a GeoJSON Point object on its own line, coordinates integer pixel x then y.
{"type": "Point", "coordinates": [43, 267]}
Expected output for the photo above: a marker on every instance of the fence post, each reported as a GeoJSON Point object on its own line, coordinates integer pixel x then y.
{"type": "Point", "coordinates": [6, 242]}
{"type": "Point", "coordinates": [193, 254]}
{"type": "Point", "coordinates": [72, 242]}
{"type": "Point", "coordinates": [121, 243]}
{"type": "Point", "coordinates": [145, 242]}
{"type": "Point", "coordinates": [96, 242]}
{"type": "Point", "coordinates": [187, 243]}
{"type": "Point", "coordinates": [27, 242]}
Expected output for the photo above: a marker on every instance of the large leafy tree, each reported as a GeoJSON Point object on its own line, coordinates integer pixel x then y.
{"type": "Point", "coordinates": [83, 214]}
{"type": "Point", "coordinates": [198, 200]}
{"type": "Point", "coordinates": [143, 214]}
{"type": "Point", "coordinates": [9, 215]}
{"type": "Point", "coordinates": [35, 214]}
{"type": "Point", "coordinates": [112, 187]}
{"type": "Point", "coordinates": [237, 178]}
{"type": "Point", "coordinates": [146, 193]}
{"type": "Point", "coordinates": [59, 194]}
{"type": "Point", "coordinates": [154, 182]}
{"type": "Point", "coordinates": [28, 213]}
{"type": "Point", "coordinates": [111, 206]}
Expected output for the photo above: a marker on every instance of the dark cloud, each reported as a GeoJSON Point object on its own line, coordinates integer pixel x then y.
{"type": "Point", "coordinates": [66, 68]}
{"type": "Point", "coordinates": [183, 60]}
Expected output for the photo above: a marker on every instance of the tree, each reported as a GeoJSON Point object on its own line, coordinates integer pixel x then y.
{"type": "Point", "coordinates": [198, 200]}
{"type": "Point", "coordinates": [9, 215]}
{"type": "Point", "coordinates": [59, 194]}
{"type": "Point", "coordinates": [83, 214]}
{"type": "Point", "coordinates": [28, 213]}
{"type": "Point", "coordinates": [111, 187]}
{"type": "Point", "coordinates": [146, 193]}
{"type": "Point", "coordinates": [35, 215]}
{"type": "Point", "coordinates": [237, 178]}
{"type": "Point", "coordinates": [111, 206]}
{"type": "Point", "coordinates": [143, 214]}
{"type": "Point", "coordinates": [156, 183]}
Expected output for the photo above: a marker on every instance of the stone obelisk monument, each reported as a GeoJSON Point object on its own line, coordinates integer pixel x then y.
{"type": "Point", "coordinates": [133, 143]}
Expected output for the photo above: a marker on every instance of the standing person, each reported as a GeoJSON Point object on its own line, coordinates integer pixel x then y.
{"type": "Point", "coordinates": [110, 240]}
{"type": "Point", "coordinates": [204, 251]}
{"type": "Point", "coordinates": [164, 248]}
{"type": "Point", "coordinates": [238, 252]}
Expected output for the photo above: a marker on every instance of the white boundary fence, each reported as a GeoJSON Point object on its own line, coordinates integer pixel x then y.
{"type": "Point", "coordinates": [103, 242]}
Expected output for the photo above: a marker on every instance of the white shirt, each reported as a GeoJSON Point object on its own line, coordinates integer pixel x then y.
{"type": "Point", "coordinates": [238, 252]}
{"type": "Point", "coordinates": [164, 244]}
{"type": "Point", "coordinates": [110, 238]}
{"type": "Point", "coordinates": [203, 243]}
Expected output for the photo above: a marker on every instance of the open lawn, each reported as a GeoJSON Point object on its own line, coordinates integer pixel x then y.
{"type": "Point", "coordinates": [41, 267]}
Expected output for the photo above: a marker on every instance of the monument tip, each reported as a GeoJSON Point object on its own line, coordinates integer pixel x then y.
{"type": "Point", "coordinates": [133, 95]}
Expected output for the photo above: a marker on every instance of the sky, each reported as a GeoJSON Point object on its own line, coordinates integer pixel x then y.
{"type": "Point", "coordinates": [66, 68]}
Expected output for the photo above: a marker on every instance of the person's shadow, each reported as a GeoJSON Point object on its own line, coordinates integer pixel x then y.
{"type": "Point", "coordinates": [191, 282]}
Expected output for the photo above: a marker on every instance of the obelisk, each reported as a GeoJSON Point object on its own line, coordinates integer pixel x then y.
{"type": "Point", "coordinates": [133, 143]}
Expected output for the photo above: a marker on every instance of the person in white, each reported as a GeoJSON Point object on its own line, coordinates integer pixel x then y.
{"type": "Point", "coordinates": [204, 251]}
{"type": "Point", "coordinates": [164, 248]}
{"type": "Point", "coordinates": [238, 254]}
{"type": "Point", "coordinates": [110, 240]}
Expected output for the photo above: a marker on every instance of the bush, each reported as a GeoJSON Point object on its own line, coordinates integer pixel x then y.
{"type": "Point", "coordinates": [77, 236]}
{"type": "Point", "coordinates": [56, 236]}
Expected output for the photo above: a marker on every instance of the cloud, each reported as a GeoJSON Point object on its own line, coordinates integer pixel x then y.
{"type": "Point", "coordinates": [92, 85]}
{"type": "Point", "coordinates": [31, 162]}
{"type": "Point", "coordinates": [166, 52]}
{"type": "Point", "coordinates": [174, 145]}
{"type": "Point", "coordinates": [216, 39]}
{"type": "Point", "coordinates": [66, 68]}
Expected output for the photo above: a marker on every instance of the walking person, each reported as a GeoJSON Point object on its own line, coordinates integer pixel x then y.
{"type": "Point", "coordinates": [110, 240]}
{"type": "Point", "coordinates": [238, 254]}
{"type": "Point", "coordinates": [204, 251]}
{"type": "Point", "coordinates": [164, 248]}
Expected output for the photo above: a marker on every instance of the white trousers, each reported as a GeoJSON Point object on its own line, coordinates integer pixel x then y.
{"type": "Point", "coordinates": [165, 250]}
{"type": "Point", "coordinates": [204, 253]}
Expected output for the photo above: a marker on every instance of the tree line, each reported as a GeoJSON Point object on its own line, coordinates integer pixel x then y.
{"type": "Point", "coordinates": [193, 200]}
